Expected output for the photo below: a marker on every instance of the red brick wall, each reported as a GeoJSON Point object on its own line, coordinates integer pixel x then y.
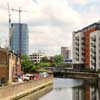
{"type": "Point", "coordinates": [3, 57]}
{"type": "Point", "coordinates": [87, 47]}
{"type": "Point", "coordinates": [7, 61]}
{"type": "Point", "coordinates": [87, 93]}
{"type": "Point", "coordinates": [4, 72]}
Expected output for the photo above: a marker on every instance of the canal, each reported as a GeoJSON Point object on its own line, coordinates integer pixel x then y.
{"type": "Point", "coordinates": [68, 89]}
{"type": "Point", "coordinates": [72, 89]}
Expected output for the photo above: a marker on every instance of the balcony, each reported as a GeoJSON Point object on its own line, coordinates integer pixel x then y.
{"type": "Point", "coordinates": [83, 59]}
{"type": "Point", "coordinates": [93, 63]}
{"type": "Point", "coordinates": [93, 45]}
{"type": "Point", "coordinates": [77, 43]}
{"type": "Point", "coordinates": [77, 54]}
{"type": "Point", "coordinates": [83, 43]}
{"type": "Point", "coordinates": [83, 49]}
{"type": "Point", "coordinates": [93, 38]}
{"type": "Point", "coordinates": [77, 49]}
{"type": "Point", "coordinates": [93, 51]}
{"type": "Point", "coordinates": [77, 59]}
{"type": "Point", "coordinates": [93, 58]}
{"type": "Point", "coordinates": [83, 54]}
{"type": "Point", "coordinates": [77, 38]}
{"type": "Point", "coordinates": [83, 38]}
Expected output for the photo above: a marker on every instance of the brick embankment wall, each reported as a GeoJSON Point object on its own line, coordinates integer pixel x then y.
{"type": "Point", "coordinates": [20, 90]}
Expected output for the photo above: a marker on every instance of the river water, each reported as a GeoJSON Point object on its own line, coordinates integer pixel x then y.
{"type": "Point", "coordinates": [72, 89]}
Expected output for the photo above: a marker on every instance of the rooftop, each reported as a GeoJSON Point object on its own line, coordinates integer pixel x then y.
{"type": "Point", "coordinates": [96, 24]}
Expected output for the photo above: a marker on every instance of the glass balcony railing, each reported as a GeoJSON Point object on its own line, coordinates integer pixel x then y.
{"type": "Point", "coordinates": [93, 38]}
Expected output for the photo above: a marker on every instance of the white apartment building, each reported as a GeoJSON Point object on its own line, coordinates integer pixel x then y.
{"type": "Point", "coordinates": [78, 47]}
{"type": "Point", "coordinates": [36, 57]}
{"type": "Point", "coordinates": [86, 46]}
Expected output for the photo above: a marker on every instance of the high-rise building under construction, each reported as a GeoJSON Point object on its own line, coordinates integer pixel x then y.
{"type": "Point", "coordinates": [19, 38]}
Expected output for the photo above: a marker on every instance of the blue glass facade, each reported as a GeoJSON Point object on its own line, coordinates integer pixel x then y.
{"type": "Point", "coordinates": [19, 38]}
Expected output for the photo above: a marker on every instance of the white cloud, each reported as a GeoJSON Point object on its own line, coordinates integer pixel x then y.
{"type": "Point", "coordinates": [57, 21]}
{"type": "Point", "coordinates": [79, 2]}
{"type": "Point", "coordinates": [50, 23]}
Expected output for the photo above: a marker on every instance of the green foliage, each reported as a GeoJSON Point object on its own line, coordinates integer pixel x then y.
{"type": "Point", "coordinates": [58, 60]}
{"type": "Point", "coordinates": [44, 64]}
{"type": "Point", "coordinates": [44, 59]}
{"type": "Point", "coordinates": [27, 65]}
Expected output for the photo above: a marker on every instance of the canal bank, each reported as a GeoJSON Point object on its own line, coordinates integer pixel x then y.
{"type": "Point", "coordinates": [15, 92]}
{"type": "Point", "coordinates": [38, 94]}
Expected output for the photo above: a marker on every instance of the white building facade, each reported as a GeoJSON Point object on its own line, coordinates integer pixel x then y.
{"type": "Point", "coordinates": [95, 50]}
{"type": "Point", "coordinates": [86, 47]}
{"type": "Point", "coordinates": [36, 57]}
{"type": "Point", "coordinates": [78, 47]}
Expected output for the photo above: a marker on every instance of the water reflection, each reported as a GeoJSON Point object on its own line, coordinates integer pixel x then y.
{"type": "Point", "coordinates": [70, 89]}
{"type": "Point", "coordinates": [87, 91]}
{"type": "Point", "coordinates": [62, 89]}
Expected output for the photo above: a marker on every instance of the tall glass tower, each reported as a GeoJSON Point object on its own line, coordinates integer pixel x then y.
{"type": "Point", "coordinates": [19, 38]}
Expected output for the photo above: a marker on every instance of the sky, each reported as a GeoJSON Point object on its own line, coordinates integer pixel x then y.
{"type": "Point", "coordinates": [50, 22]}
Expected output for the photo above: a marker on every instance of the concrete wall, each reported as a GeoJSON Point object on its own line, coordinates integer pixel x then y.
{"type": "Point", "coordinates": [38, 94]}
{"type": "Point", "coordinates": [20, 90]}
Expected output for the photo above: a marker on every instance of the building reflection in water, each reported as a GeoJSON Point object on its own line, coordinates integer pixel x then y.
{"type": "Point", "coordinates": [87, 91]}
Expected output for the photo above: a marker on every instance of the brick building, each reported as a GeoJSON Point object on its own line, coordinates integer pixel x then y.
{"type": "Point", "coordinates": [10, 66]}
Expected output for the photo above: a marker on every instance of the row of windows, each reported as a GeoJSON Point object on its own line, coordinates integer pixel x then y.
{"type": "Point", "coordinates": [35, 57]}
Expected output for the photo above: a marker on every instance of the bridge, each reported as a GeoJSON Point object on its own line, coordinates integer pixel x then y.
{"type": "Point", "coordinates": [70, 73]}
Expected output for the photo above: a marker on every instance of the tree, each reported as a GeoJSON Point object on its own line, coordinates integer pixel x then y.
{"type": "Point", "coordinates": [27, 65]}
{"type": "Point", "coordinates": [44, 59]}
{"type": "Point", "coordinates": [58, 60]}
{"type": "Point", "coordinates": [44, 64]}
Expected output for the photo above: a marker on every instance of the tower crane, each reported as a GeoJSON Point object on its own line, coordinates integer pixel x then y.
{"type": "Point", "coordinates": [20, 33]}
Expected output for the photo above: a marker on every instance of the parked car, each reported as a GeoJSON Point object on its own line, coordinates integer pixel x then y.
{"type": "Point", "coordinates": [20, 80]}
{"type": "Point", "coordinates": [28, 77]}
{"type": "Point", "coordinates": [44, 74]}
